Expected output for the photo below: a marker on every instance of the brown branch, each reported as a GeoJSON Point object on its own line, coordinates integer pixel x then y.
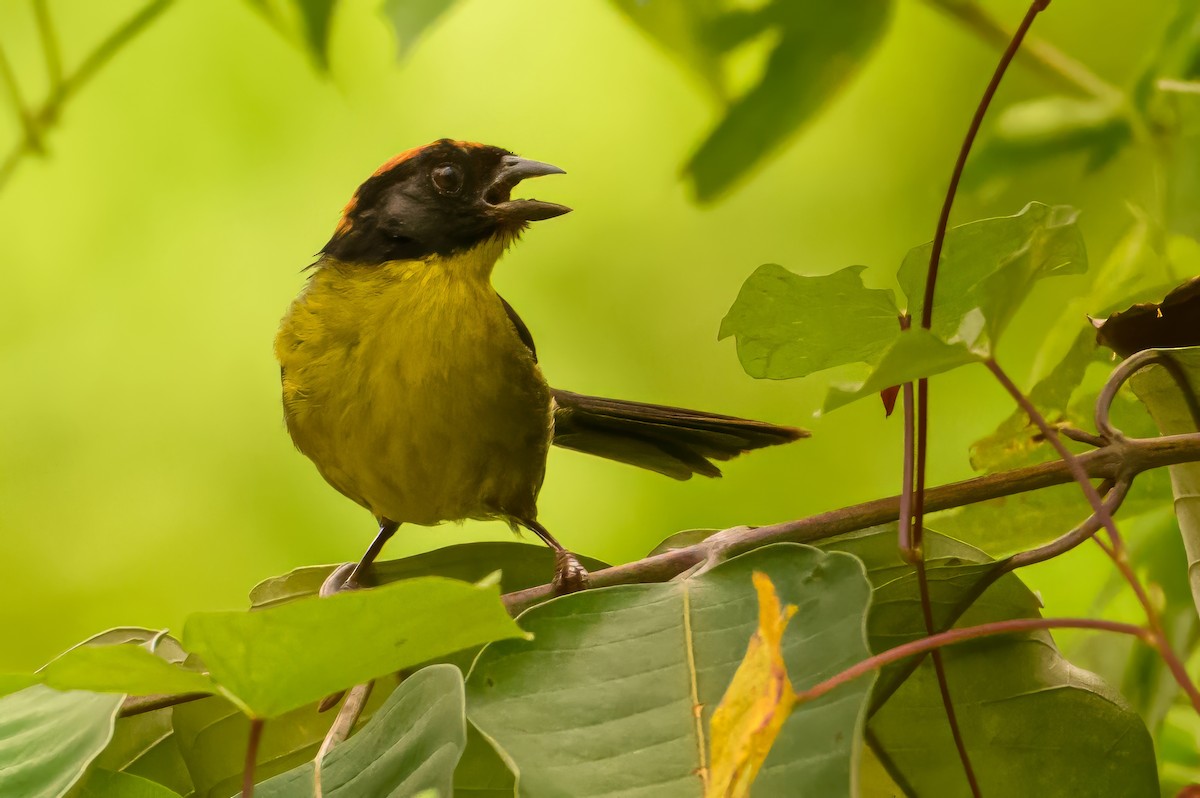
{"type": "Point", "coordinates": [1128, 457]}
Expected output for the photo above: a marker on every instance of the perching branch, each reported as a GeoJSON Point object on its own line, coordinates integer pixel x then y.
{"type": "Point", "coordinates": [1122, 459]}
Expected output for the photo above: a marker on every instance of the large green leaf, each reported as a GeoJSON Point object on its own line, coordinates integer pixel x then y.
{"type": "Point", "coordinates": [48, 738]}
{"type": "Point", "coordinates": [1033, 723]}
{"type": "Point", "coordinates": [411, 744]}
{"type": "Point", "coordinates": [614, 693]}
{"type": "Point", "coordinates": [278, 659]}
{"type": "Point", "coordinates": [521, 565]}
{"type": "Point", "coordinates": [987, 269]}
{"type": "Point", "coordinates": [790, 326]}
{"type": "Point", "coordinates": [1169, 404]}
{"type": "Point", "coordinates": [818, 47]}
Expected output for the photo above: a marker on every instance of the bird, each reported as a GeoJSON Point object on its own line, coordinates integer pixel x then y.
{"type": "Point", "coordinates": [415, 388]}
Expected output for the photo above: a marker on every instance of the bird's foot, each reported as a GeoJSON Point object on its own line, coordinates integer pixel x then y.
{"type": "Point", "coordinates": [341, 580]}
{"type": "Point", "coordinates": [569, 574]}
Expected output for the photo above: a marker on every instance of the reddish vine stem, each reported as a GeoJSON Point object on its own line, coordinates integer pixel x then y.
{"type": "Point", "coordinates": [1117, 553]}
{"type": "Point", "coordinates": [939, 238]}
{"type": "Point", "coordinates": [256, 727]}
{"type": "Point", "coordinates": [913, 552]}
{"type": "Point", "coordinates": [939, 668]}
{"type": "Point", "coordinates": [934, 642]}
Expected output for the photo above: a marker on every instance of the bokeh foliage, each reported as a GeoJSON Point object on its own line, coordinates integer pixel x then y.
{"type": "Point", "coordinates": [144, 470]}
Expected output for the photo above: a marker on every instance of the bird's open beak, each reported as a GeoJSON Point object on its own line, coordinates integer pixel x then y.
{"type": "Point", "coordinates": [512, 171]}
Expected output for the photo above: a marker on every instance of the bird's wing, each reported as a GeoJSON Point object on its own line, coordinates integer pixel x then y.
{"type": "Point", "coordinates": [522, 331]}
{"type": "Point", "coordinates": [670, 440]}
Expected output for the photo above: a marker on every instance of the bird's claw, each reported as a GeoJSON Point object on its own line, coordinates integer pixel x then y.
{"type": "Point", "coordinates": [569, 574]}
{"type": "Point", "coordinates": [339, 581]}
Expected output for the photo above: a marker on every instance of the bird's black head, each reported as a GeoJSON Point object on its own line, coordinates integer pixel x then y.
{"type": "Point", "coordinates": [439, 199]}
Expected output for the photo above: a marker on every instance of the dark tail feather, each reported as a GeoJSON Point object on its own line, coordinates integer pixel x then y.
{"type": "Point", "coordinates": [669, 440]}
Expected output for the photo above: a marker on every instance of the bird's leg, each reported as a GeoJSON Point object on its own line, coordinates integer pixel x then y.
{"type": "Point", "coordinates": [335, 583]}
{"type": "Point", "coordinates": [569, 573]}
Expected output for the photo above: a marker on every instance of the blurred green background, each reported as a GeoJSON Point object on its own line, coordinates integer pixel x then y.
{"type": "Point", "coordinates": [144, 467]}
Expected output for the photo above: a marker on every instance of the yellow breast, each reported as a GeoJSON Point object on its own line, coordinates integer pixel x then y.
{"type": "Point", "coordinates": [407, 385]}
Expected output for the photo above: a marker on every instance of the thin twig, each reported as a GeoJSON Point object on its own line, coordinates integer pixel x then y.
{"type": "Point", "coordinates": [50, 48]}
{"type": "Point", "coordinates": [1117, 552]}
{"type": "Point", "coordinates": [1059, 546]}
{"type": "Point", "coordinates": [909, 550]}
{"type": "Point", "coordinates": [921, 442]}
{"type": "Point", "coordinates": [32, 138]}
{"type": "Point", "coordinates": [934, 642]}
{"type": "Point", "coordinates": [343, 724]}
{"type": "Point", "coordinates": [939, 238]}
{"type": "Point", "coordinates": [1178, 86]}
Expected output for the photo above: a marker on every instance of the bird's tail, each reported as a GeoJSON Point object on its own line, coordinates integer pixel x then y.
{"type": "Point", "coordinates": [669, 440]}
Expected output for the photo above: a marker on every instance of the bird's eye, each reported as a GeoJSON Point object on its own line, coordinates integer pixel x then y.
{"type": "Point", "coordinates": [447, 178]}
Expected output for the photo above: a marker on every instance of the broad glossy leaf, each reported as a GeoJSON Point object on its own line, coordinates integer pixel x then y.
{"type": "Point", "coordinates": [48, 738]}
{"type": "Point", "coordinates": [412, 743]}
{"type": "Point", "coordinates": [521, 565]}
{"type": "Point", "coordinates": [1008, 691]}
{"type": "Point", "coordinates": [913, 354]}
{"type": "Point", "coordinates": [114, 784]}
{"type": "Point", "coordinates": [819, 46]}
{"type": "Point", "coordinates": [411, 18]}
{"type": "Point", "coordinates": [627, 667]}
{"type": "Point", "coordinates": [1172, 407]}
{"type": "Point", "coordinates": [789, 326]}
{"type": "Point", "coordinates": [987, 269]}
{"type": "Point", "coordinates": [281, 658]}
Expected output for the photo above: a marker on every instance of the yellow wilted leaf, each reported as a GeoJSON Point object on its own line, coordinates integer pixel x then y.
{"type": "Point", "coordinates": [756, 703]}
